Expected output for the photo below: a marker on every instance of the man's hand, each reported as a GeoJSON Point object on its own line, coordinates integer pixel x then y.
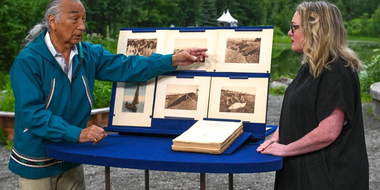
{"type": "Point", "coordinates": [93, 134]}
{"type": "Point", "coordinates": [189, 56]}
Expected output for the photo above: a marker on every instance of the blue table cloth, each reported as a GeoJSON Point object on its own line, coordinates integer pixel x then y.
{"type": "Point", "coordinates": [154, 153]}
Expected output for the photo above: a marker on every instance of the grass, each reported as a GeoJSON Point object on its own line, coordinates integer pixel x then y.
{"type": "Point", "coordinates": [364, 38]}
{"type": "Point", "coordinates": [277, 91]}
{"type": "Point", "coordinates": [286, 39]}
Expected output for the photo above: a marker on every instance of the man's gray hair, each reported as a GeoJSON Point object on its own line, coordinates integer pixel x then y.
{"type": "Point", "coordinates": [52, 8]}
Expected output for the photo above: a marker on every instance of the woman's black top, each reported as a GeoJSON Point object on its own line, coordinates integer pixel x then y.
{"type": "Point", "coordinates": [307, 101]}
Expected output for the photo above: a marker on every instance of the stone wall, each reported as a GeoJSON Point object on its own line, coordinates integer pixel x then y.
{"type": "Point", "coordinates": [98, 117]}
{"type": "Point", "coordinates": [375, 93]}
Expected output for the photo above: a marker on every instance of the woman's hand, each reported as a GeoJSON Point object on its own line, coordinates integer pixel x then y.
{"type": "Point", "coordinates": [273, 148]}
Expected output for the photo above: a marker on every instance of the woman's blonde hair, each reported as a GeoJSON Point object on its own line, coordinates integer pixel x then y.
{"type": "Point", "coordinates": [325, 38]}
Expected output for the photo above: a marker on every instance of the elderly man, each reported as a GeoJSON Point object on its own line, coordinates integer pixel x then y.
{"type": "Point", "coordinates": [53, 79]}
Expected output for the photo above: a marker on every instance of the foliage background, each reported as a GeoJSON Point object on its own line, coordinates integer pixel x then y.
{"type": "Point", "coordinates": [105, 18]}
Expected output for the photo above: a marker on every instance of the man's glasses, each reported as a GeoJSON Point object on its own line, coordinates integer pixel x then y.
{"type": "Point", "coordinates": [294, 27]}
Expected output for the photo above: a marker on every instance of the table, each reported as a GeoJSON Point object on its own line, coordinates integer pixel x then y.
{"type": "Point", "coordinates": [154, 153]}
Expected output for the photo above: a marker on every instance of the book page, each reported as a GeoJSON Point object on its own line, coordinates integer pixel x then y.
{"type": "Point", "coordinates": [209, 132]}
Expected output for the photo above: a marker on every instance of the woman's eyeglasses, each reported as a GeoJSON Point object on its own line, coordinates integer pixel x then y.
{"type": "Point", "coordinates": [294, 27]}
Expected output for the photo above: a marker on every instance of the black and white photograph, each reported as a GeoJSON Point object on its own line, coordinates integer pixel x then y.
{"type": "Point", "coordinates": [243, 50]}
{"type": "Point", "coordinates": [177, 50]}
{"type": "Point", "coordinates": [143, 47]}
{"type": "Point", "coordinates": [141, 43]}
{"type": "Point", "coordinates": [182, 97]}
{"type": "Point", "coordinates": [237, 99]}
{"type": "Point", "coordinates": [133, 104]}
{"type": "Point", "coordinates": [134, 97]}
{"type": "Point", "coordinates": [179, 40]}
{"type": "Point", "coordinates": [181, 44]}
{"type": "Point", "coordinates": [242, 99]}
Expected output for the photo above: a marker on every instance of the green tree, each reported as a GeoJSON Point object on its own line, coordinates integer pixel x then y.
{"type": "Point", "coordinates": [159, 13]}
{"type": "Point", "coordinates": [342, 7]}
{"type": "Point", "coordinates": [104, 17]}
{"type": "Point", "coordinates": [208, 15]}
{"type": "Point", "coordinates": [16, 18]}
{"type": "Point", "coordinates": [281, 13]}
{"type": "Point", "coordinates": [189, 13]}
{"type": "Point", "coordinates": [251, 12]}
{"type": "Point", "coordinates": [376, 22]}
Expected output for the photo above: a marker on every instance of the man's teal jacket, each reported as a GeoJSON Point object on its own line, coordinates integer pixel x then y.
{"type": "Point", "coordinates": [49, 108]}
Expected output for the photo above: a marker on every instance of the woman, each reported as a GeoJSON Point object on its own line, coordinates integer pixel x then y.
{"type": "Point", "coordinates": [321, 135]}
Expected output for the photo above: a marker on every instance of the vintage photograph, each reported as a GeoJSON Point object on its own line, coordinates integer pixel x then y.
{"type": "Point", "coordinates": [237, 99]}
{"type": "Point", "coordinates": [182, 97]}
{"type": "Point", "coordinates": [141, 43]}
{"type": "Point", "coordinates": [243, 50]}
{"type": "Point", "coordinates": [181, 44]}
{"type": "Point", "coordinates": [242, 99]}
{"type": "Point", "coordinates": [133, 104]}
{"type": "Point", "coordinates": [179, 40]}
{"type": "Point", "coordinates": [134, 97]}
{"type": "Point", "coordinates": [143, 47]}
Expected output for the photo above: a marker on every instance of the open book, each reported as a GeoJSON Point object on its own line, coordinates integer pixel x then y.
{"type": "Point", "coordinates": [207, 136]}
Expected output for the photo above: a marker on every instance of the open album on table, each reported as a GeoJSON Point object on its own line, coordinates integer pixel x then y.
{"type": "Point", "coordinates": [207, 136]}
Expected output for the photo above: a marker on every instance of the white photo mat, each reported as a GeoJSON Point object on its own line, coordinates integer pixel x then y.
{"type": "Point", "coordinates": [125, 35]}
{"type": "Point", "coordinates": [182, 40]}
{"type": "Point", "coordinates": [181, 97]}
{"type": "Point", "coordinates": [124, 93]}
{"type": "Point", "coordinates": [248, 40]}
{"type": "Point", "coordinates": [243, 99]}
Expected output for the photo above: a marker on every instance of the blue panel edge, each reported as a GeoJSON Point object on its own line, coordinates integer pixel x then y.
{"type": "Point", "coordinates": [197, 29]}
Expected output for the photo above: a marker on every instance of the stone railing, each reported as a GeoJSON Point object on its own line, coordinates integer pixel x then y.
{"type": "Point", "coordinates": [98, 117]}
{"type": "Point", "coordinates": [7, 120]}
{"type": "Point", "coordinates": [374, 91]}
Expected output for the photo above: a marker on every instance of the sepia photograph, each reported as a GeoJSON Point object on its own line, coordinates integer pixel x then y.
{"type": "Point", "coordinates": [237, 99]}
{"type": "Point", "coordinates": [243, 50]}
{"type": "Point", "coordinates": [133, 103]}
{"type": "Point", "coordinates": [141, 43]}
{"type": "Point", "coordinates": [179, 40]}
{"type": "Point", "coordinates": [134, 97]}
{"type": "Point", "coordinates": [181, 44]}
{"type": "Point", "coordinates": [143, 47]}
{"type": "Point", "coordinates": [242, 99]}
{"type": "Point", "coordinates": [181, 97]}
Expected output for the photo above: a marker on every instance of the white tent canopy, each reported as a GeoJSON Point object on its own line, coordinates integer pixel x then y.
{"type": "Point", "coordinates": [227, 19]}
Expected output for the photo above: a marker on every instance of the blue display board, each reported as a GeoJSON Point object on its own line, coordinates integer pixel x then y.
{"type": "Point", "coordinates": [231, 85]}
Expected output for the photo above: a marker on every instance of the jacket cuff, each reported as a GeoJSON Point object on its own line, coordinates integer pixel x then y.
{"type": "Point", "coordinates": [168, 59]}
{"type": "Point", "coordinates": [72, 134]}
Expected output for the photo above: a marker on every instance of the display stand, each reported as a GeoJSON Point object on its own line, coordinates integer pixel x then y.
{"type": "Point", "coordinates": [231, 85]}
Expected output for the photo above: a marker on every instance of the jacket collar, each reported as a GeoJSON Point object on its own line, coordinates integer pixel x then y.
{"type": "Point", "coordinates": [39, 47]}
